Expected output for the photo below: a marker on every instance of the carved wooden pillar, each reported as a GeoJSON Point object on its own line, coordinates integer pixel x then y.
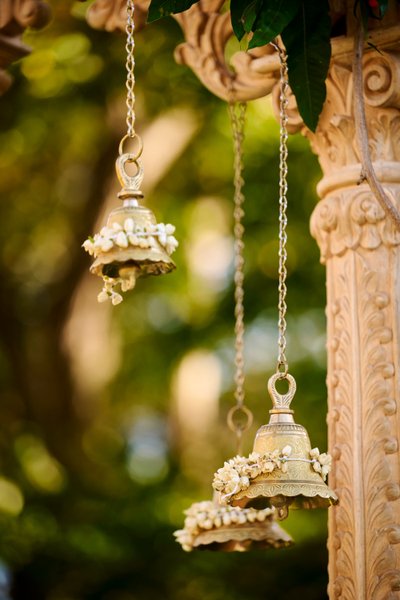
{"type": "Point", "coordinates": [361, 250]}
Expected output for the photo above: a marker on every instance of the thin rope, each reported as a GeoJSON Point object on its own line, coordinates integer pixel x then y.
{"type": "Point", "coordinates": [368, 171]}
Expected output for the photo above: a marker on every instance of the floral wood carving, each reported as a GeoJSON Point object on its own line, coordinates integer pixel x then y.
{"type": "Point", "coordinates": [364, 528]}
{"type": "Point", "coordinates": [207, 31]}
{"type": "Point", "coordinates": [347, 222]}
{"type": "Point", "coordinates": [335, 141]}
{"type": "Point", "coordinates": [15, 16]}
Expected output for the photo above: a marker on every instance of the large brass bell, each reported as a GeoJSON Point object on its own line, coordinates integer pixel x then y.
{"type": "Point", "coordinates": [212, 526]}
{"type": "Point", "coordinates": [287, 471]}
{"type": "Point", "coordinates": [132, 244]}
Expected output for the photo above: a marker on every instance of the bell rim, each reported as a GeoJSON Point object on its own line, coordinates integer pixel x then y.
{"type": "Point", "coordinates": [167, 265]}
{"type": "Point", "coordinates": [279, 488]}
{"type": "Point", "coordinates": [268, 533]}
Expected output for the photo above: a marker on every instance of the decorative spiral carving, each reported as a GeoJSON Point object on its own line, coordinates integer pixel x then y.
{"type": "Point", "coordinates": [381, 81]}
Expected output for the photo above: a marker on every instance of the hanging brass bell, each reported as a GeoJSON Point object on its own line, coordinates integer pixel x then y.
{"type": "Point", "coordinates": [132, 244]}
{"type": "Point", "coordinates": [212, 526]}
{"type": "Point", "coordinates": [283, 470]}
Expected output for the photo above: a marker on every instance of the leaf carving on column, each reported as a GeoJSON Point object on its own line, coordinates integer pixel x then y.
{"type": "Point", "coordinates": [358, 243]}
{"type": "Point", "coordinates": [340, 224]}
{"type": "Point", "coordinates": [335, 138]}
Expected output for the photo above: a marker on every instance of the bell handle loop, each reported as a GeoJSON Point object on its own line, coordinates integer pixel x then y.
{"type": "Point", "coordinates": [233, 417]}
{"type": "Point", "coordinates": [281, 401]}
{"type": "Point", "coordinates": [135, 137]}
{"type": "Point", "coordinates": [129, 182]}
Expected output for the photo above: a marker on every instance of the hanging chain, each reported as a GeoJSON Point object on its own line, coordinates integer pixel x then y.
{"type": "Point", "coordinates": [239, 417]}
{"type": "Point", "coordinates": [130, 66]}
{"type": "Point", "coordinates": [282, 364]}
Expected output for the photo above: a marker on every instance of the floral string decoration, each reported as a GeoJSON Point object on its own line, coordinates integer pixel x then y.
{"type": "Point", "coordinates": [123, 236]}
{"type": "Point", "coordinates": [204, 516]}
{"type": "Point", "coordinates": [238, 472]}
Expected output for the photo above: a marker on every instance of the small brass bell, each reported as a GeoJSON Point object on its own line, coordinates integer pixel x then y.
{"type": "Point", "coordinates": [132, 244]}
{"type": "Point", "coordinates": [283, 470]}
{"type": "Point", "coordinates": [212, 526]}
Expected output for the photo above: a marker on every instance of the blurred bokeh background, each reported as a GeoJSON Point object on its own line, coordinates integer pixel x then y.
{"type": "Point", "coordinates": [112, 419]}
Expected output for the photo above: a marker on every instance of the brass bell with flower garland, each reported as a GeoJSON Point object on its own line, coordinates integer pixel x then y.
{"type": "Point", "coordinates": [132, 244]}
{"type": "Point", "coordinates": [212, 526]}
{"type": "Point", "coordinates": [283, 470]}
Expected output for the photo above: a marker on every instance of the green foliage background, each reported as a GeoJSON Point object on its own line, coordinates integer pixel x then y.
{"type": "Point", "coordinates": [94, 481]}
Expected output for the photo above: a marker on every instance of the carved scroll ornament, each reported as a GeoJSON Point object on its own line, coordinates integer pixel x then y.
{"type": "Point", "coordinates": [361, 247]}
{"type": "Point", "coordinates": [207, 31]}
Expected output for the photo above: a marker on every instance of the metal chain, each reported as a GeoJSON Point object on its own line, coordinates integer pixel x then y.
{"type": "Point", "coordinates": [130, 66]}
{"type": "Point", "coordinates": [239, 417]}
{"type": "Point", "coordinates": [282, 364]}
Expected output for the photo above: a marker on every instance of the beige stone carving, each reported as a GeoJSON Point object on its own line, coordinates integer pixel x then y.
{"type": "Point", "coordinates": [207, 31]}
{"type": "Point", "coordinates": [15, 17]}
{"type": "Point", "coordinates": [360, 248]}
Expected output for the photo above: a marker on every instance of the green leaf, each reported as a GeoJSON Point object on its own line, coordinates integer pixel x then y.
{"type": "Point", "coordinates": [164, 8]}
{"type": "Point", "coordinates": [307, 42]}
{"type": "Point", "coordinates": [243, 15]}
{"type": "Point", "coordinates": [272, 17]}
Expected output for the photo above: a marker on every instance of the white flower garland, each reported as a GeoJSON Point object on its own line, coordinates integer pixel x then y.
{"type": "Point", "coordinates": [238, 472]}
{"type": "Point", "coordinates": [203, 516]}
{"type": "Point", "coordinates": [130, 234]}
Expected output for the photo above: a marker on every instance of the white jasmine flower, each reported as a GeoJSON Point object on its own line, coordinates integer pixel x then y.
{"type": "Point", "coordinates": [133, 239]}
{"type": "Point", "coordinates": [117, 227]}
{"type": "Point", "coordinates": [121, 240]}
{"type": "Point", "coordinates": [106, 245]}
{"type": "Point", "coordinates": [314, 453]}
{"type": "Point", "coordinates": [162, 234]}
{"type": "Point", "coordinates": [171, 244]}
{"type": "Point", "coordinates": [169, 229]}
{"type": "Point", "coordinates": [88, 245]}
{"type": "Point", "coordinates": [286, 451]}
{"type": "Point", "coordinates": [317, 467]}
{"type": "Point", "coordinates": [103, 296]}
{"type": "Point", "coordinates": [116, 298]}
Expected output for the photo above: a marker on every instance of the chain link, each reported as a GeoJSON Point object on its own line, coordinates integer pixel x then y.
{"type": "Point", "coordinates": [282, 364]}
{"type": "Point", "coordinates": [239, 425]}
{"type": "Point", "coordinates": [130, 66]}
